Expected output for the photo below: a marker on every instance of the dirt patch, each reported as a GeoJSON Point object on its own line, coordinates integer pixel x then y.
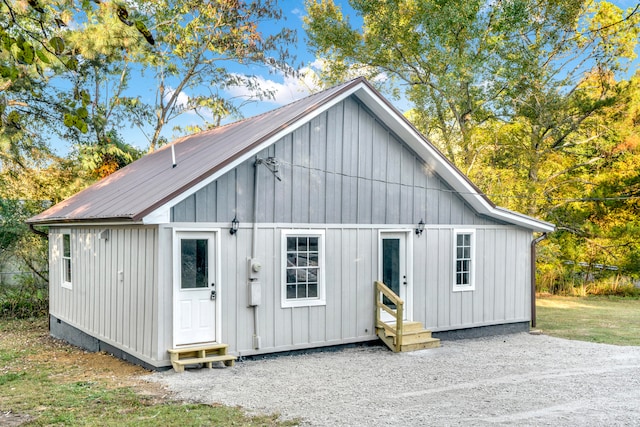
{"type": "Point", "coordinates": [11, 419]}
{"type": "Point", "coordinates": [76, 364]}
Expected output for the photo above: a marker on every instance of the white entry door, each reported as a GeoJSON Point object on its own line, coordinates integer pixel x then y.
{"type": "Point", "coordinates": [394, 269]}
{"type": "Point", "coordinates": [194, 287]}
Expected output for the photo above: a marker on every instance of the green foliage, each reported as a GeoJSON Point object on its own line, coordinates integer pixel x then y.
{"type": "Point", "coordinates": [102, 159]}
{"type": "Point", "coordinates": [524, 97]}
{"type": "Point", "coordinates": [28, 299]}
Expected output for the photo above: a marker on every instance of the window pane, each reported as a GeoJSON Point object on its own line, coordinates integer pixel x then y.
{"type": "Point", "coordinates": [466, 253]}
{"type": "Point", "coordinates": [291, 244]}
{"type": "Point", "coordinates": [313, 244]}
{"type": "Point", "coordinates": [66, 245]}
{"type": "Point", "coordinates": [459, 240]}
{"type": "Point", "coordinates": [291, 276]}
{"type": "Point", "coordinates": [465, 266]}
{"type": "Point", "coordinates": [291, 291]}
{"type": "Point", "coordinates": [194, 263]}
{"type": "Point", "coordinates": [313, 290]}
{"type": "Point", "coordinates": [302, 290]}
{"type": "Point", "coordinates": [467, 239]}
{"type": "Point", "coordinates": [303, 245]}
{"type": "Point", "coordinates": [291, 260]}
{"type": "Point", "coordinates": [465, 278]}
{"type": "Point", "coordinates": [302, 260]}
{"type": "Point", "coordinates": [313, 260]}
{"type": "Point", "coordinates": [459, 253]}
{"type": "Point", "coordinates": [458, 266]}
{"type": "Point", "coordinates": [67, 270]}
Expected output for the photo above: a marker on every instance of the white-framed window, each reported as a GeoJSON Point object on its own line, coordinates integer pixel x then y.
{"type": "Point", "coordinates": [463, 260]}
{"type": "Point", "coordinates": [66, 260]}
{"type": "Point", "coordinates": [302, 268]}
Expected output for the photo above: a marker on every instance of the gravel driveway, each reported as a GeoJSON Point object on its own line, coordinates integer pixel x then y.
{"type": "Point", "coordinates": [518, 379]}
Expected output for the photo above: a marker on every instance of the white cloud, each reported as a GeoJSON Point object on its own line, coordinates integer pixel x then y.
{"type": "Point", "coordinates": [290, 89]}
{"type": "Point", "coordinates": [183, 99]}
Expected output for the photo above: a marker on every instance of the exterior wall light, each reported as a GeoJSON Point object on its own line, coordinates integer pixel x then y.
{"type": "Point", "coordinates": [420, 228]}
{"type": "Point", "coordinates": [234, 226]}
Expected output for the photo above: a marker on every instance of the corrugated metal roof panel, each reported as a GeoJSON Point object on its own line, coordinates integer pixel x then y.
{"type": "Point", "coordinates": [139, 188]}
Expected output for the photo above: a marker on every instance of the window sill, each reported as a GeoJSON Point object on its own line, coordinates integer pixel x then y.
{"type": "Point", "coordinates": [302, 303]}
{"type": "Point", "coordinates": [67, 285]}
{"type": "Point", "coordinates": [463, 288]}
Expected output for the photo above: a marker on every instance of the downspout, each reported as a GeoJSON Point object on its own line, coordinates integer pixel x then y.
{"type": "Point", "coordinates": [533, 277]}
{"type": "Point", "coordinates": [38, 232]}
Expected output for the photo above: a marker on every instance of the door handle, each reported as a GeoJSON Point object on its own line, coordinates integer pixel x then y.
{"type": "Point", "coordinates": [405, 280]}
{"type": "Point", "coordinates": [213, 295]}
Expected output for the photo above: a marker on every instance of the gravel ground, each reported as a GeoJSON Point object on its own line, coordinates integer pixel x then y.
{"type": "Point", "coordinates": [518, 379]}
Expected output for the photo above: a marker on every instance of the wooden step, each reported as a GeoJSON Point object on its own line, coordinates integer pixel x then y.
{"type": "Point", "coordinates": [207, 347]}
{"type": "Point", "coordinates": [179, 365]}
{"type": "Point", "coordinates": [207, 354]}
{"type": "Point", "coordinates": [430, 343]}
{"type": "Point", "coordinates": [414, 337]}
{"type": "Point", "coordinates": [408, 326]}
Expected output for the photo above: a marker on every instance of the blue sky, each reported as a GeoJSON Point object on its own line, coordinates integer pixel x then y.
{"type": "Point", "coordinates": [287, 89]}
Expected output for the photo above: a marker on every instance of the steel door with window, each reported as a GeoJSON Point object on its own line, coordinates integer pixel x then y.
{"type": "Point", "coordinates": [194, 287]}
{"type": "Point", "coordinates": [394, 268]}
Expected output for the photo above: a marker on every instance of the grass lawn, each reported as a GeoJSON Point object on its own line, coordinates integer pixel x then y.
{"type": "Point", "coordinates": [47, 382]}
{"type": "Point", "coordinates": [607, 320]}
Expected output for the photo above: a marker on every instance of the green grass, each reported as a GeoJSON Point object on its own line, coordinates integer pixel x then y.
{"type": "Point", "coordinates": [609, 320]}
{"type": "Point", "coordinates": [56, 384]}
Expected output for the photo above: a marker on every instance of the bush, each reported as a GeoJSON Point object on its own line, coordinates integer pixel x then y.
{"type": "Point", "coordinates": [30, 298]}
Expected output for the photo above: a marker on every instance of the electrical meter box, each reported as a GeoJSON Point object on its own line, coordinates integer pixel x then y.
{"type": "Point", "coordinates": [255, 293]}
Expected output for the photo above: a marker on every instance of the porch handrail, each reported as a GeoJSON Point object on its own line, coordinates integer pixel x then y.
{"type": "Point", "coordinates": [380, 290]}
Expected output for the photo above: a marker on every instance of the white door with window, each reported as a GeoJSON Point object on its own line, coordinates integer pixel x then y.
{"type": "Point", "coordinates": [195, 292]}
{"type": "Point", "coordinates": [394, 269]}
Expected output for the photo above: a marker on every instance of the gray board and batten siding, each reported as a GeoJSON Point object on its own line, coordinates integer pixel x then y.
{"type": "Point", "coordinates": [114, 293]}
{"type": "Point", "coordinates": [347, 174]}
{"type": "Point", "coordinates": [343, 167]}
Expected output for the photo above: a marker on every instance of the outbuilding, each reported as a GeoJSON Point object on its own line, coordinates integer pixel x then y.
{"type": "Point", "coordinates": [269, 234]}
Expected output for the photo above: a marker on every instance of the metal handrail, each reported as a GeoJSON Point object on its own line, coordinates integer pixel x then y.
{"type": "Point", "coordinates": [380, 290]}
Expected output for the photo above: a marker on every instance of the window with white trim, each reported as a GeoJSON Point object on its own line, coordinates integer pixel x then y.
{"type": "Point", "coordinates": [463, 268]}
{"type": "Point", "coordinates": [302, 268]}
{"type": "Point", "coordinates": [66, 260]}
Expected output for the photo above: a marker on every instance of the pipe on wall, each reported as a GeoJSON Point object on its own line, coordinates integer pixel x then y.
{"type": "Point", "coordinates": [533, 277]}
{"type": "Point", "coordinates": [254, 250]}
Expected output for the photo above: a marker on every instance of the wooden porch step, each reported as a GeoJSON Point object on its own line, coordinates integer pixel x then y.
{"type": "Point", "coordinates": [408, 326]}
{"type": "Point", "coordinates": [207, 354]}
{"type": "Point", "coordinates": [414, 337]}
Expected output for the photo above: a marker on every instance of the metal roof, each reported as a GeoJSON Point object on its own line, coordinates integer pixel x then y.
{"type": "Point", "coordinates": [152, 183]}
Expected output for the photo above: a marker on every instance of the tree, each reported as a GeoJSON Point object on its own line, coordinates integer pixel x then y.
{"type": "Point", "coordinates": [518, 94]}
{"type": "Point", "coordinates": [467, 63]}
{"type": "Point", "coordinates": [200, 44]}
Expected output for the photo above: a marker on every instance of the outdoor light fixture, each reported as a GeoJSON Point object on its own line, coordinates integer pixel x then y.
{"type": "Point", "coordinates": [420, 228]}
{"type": "Point", "coordinates": [234, 226]}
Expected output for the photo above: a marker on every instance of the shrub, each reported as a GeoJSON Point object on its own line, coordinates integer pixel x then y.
{"type": "Point", "coordinates": [29, 298]}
